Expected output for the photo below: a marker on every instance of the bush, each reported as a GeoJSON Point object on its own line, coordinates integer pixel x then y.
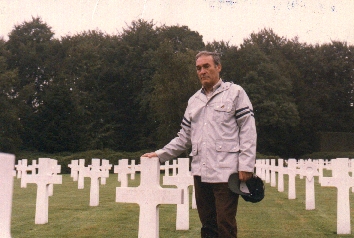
{"type": "Point", "coordinates": [261, 156]}
{"type": "Point", "coordinates": [328, 155]}
{"type": "Point", "coordinates": [336, 141]}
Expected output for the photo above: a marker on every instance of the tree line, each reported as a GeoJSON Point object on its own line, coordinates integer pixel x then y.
{"type": "Point", "coordinates": [128, 91]}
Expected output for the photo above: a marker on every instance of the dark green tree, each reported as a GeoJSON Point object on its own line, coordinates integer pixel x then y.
{"type": "Point", "coordinates": [95, 91]}
{"type": "Point", "coordinates": [139, 41]}
{"type": "Point", "coordinates": [27, 44]}
{"type": "Point", "coordinates": [27, 47]}
{"type": "Point", "coordinates": [10, 125]}
{"type": "Point", "coordinates": [324, 92]}
{"type": "Point", "coordinates": [90, 67]}
{"type": "Point", "coordinates": [174, 82]}
{"type": "Point", "coordinates": [269, 88]}
{"type": "Point", "coordinates": [61, 127]}
{"type": "Point", "coordinates": [181, 37]}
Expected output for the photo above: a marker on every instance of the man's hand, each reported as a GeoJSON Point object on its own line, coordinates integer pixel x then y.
{"type": "Point", "coordinates": [150, 155]}
{"type": "Point", "coordinates": [244, 176]}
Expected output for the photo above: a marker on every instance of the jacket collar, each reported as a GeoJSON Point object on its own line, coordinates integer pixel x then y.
{"type": "Point", "coordinates": [215, 87]}
{"type": "Point", "coordinates": [223, 86]}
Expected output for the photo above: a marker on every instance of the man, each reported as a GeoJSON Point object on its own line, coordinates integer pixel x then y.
{"type": "Point", "coordinates": [219, 126]}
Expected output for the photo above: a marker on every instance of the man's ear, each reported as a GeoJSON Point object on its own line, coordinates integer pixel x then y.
{"type": "Point", "coordinates": [219, 67]}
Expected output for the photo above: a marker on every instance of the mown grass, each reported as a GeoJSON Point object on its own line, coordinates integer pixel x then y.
{"type": "Point", "coordinates": [71, 216]}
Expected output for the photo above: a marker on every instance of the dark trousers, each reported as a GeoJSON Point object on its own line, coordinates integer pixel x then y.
{"type": "Point", "coordinates": [217, 207]}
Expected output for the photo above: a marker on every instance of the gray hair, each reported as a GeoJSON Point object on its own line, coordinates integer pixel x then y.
{"type": "Point", "coordinates": [215, 55]}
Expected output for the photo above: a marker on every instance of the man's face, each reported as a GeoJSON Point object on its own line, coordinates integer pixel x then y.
{"type": "Point", "coordinates": [207, 71]}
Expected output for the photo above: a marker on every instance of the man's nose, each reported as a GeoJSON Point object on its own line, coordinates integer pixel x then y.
{"type": "Point", "coordinates": [202, 71]}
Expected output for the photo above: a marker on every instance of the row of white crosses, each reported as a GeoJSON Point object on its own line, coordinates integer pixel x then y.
{"type": "Point", "coordinates": [149, 194]}
{"type": "Point", "coordinates": [123, 169]}
{"type": "Point", "coordinates": [183, 170]}
{"type": "Point", "coordinates": [183, 179]}
{"type": "Point", "coordinates": [266, 169]}
{"type": "Point", "coordinates": [342, 181]}
{"type": "Point", "coordinates": [44, 174]}
{"type": "Point", "coordinates": [95, 172]}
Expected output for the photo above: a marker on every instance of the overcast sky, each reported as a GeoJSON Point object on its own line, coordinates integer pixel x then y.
{"type": "Point", "coordinates": [313, 21]}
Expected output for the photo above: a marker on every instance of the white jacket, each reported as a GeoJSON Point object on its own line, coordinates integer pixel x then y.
{"type": "Point", "coordinates": [221, 132]}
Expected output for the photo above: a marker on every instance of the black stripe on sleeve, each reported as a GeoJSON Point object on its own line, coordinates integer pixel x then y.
{"type": "Point", "coordinates": [242, 109]}
{"type": "Point", "coordinates": [186, 121]}
{"type": "Point", "coordinates": [241, 115]}
{"type": "Point", "coordinates": [186, 124]}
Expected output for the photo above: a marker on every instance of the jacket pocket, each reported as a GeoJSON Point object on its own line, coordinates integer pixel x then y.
{"type": "Point", "coordinates": [225, 146]}
{"type": "Point", "coordinates": [222, 111]}
{"type": "Point", "coordinates": [227, 154]}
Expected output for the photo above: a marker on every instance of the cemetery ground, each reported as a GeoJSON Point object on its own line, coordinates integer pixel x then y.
{"type": "Point", "coordinates": [71, 216]}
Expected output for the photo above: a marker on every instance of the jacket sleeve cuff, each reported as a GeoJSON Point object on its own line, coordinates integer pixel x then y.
{"type": "Point", "coordinates": [163, 156]}
{"type": "Point", "coordinates": [246, 163]}
{"type": "Point", "coordinates": [245, 168]}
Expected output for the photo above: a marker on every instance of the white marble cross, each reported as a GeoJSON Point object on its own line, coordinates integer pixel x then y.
{"type": "Point", "coordinates": [134, 168]}
{"type": "Point", "coordinates": [352, 170]}
{"type": "Point", "coordinates": [19, 167]}
{"type": "Point", "coordinates": [264, 170]}
{"type": "Point", "coordinates": [33, 167]}
{"type": "Point", "coordinates": [291, 171]}
{"type": "Point", "coordinates": [7, 162]}
{"type": "Point", "coordinates": [174, 167]}
{"type": "Point", "coordinates": [54, 167]}
{"type": "Point", "coordinates": [310, 169]}
{"type": "Point", "coordinates": [194, 202]}
{"type": "Point", "coordinates": [273, 170]}
{"type": "Point", "coordinates": [342, 181]}
{"type": "Point", "coordinates": [267, 171]}
{"type": "Point", "coordinates": [328, 164]}
{"type": "Point", "coordinates": [83, 171]}
{"type": "Point", "coordinates": [300, 164]}
{"type": "Point", "coordinates": [22, 169]}
{"type": "Point", "coordinates": [149, 195]}
{"type": "Point", "coordinates": [320, 170]}
{"type": "Point", "coordinates": [74, 169]}
{"type": "Point", "coordinates": [280, 169]}
{"type": "Point", "coordinates": [123, 169]}
{"type": "Point", "coordinates": [47, 174]}
{"type": "Point", "coordinates": [106, 167]}
{"type": "Point", "coordinates": [166, 167]}
{"type": "Point", "coordinates": [259, 164]}
{"type": "Point", "coordinates": [182, 180]}
{"type": "Point", "coordinates": [95, 172]}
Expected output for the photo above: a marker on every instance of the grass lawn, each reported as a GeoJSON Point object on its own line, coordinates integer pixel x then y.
{"type": "Point", "coordinates": [71, 216]}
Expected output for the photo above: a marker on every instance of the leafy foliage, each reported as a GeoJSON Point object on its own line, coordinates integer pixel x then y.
{"type": "Point", "coordinates": [128, 92]}
{"type": "Point", "coordinates": [174, 82]}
